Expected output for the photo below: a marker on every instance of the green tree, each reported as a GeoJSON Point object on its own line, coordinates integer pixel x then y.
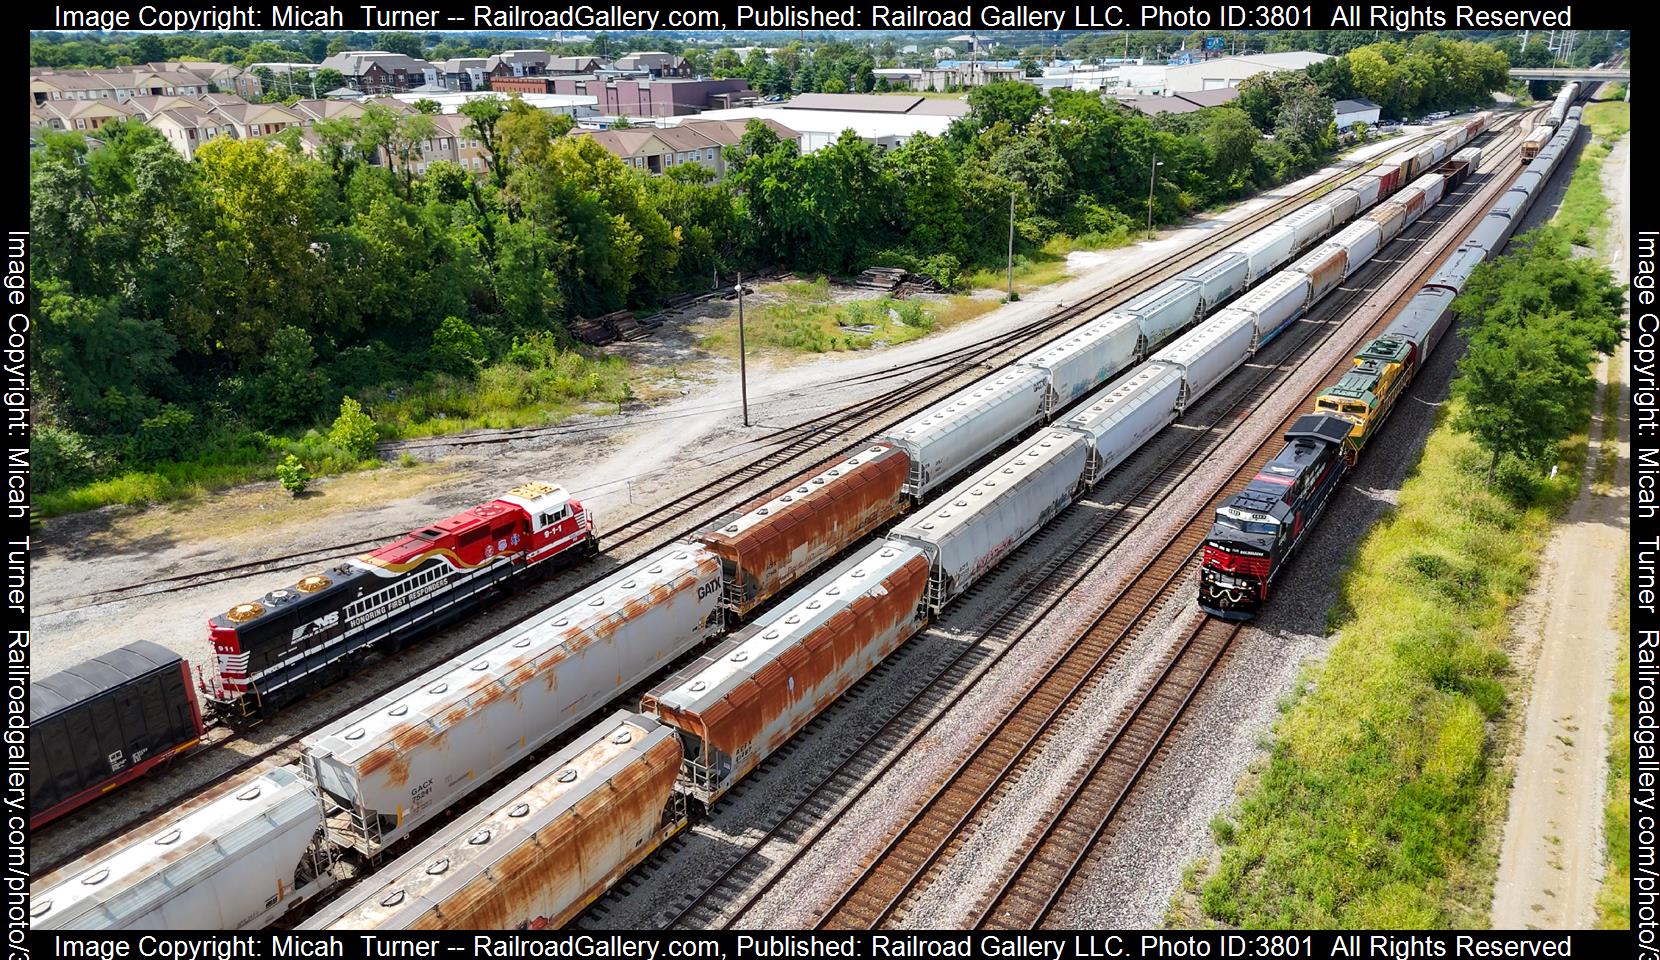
{"type": "Point", "coordinates": [457, 347]}
{"type": "Point", "coordinates": [1012, 102]}
{"type": "Point", "coordinates": [255, 268]}
{"type": "Point", "coordinates": [483, 114]}
{"type": "Point", "coordinates": [427, 106]}
{"type": "Point", "coordinates": [1518, 394]}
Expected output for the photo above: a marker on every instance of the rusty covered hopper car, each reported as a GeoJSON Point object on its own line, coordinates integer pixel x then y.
{"type": "Point", "coordinates": [393, 764]}
{"type": "Point", "coordinates": [745, 698]}
{"type": "Point", "coordinates": [539, 850]}
{"type": "Point", "coordinates": [774, 541]}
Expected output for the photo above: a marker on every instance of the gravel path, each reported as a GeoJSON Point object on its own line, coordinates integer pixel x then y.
{"type": "Point", "coordinates": [1550, 864]}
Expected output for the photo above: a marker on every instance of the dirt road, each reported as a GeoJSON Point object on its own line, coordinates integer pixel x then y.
{"type": "Point", "coordinates": [1551, 857]}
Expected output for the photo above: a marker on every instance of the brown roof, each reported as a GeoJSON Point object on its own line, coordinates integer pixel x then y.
{"type": "Point", "coordinates": [1210, 98]}
{"type": "Point", "coordinates": [1156, 105]}
{"type": "Point", "coordinates": [729, 132]}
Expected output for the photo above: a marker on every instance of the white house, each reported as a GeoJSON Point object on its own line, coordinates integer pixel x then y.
{"type": "Point", "coordinates": [1351, 112]}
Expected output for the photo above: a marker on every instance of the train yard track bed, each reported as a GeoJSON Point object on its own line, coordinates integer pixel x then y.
{"type": "Point", "coordinates": [799, 870]}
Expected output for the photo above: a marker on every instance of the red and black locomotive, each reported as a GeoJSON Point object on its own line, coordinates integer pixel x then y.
{"type": "Point", "coordinates": [291, 642]}
{"type": "Point", "coordinates": [1258, 529]}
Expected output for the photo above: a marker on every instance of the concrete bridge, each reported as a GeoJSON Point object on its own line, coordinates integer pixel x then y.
{"type": "Point", "coordinates": [1570, 73]}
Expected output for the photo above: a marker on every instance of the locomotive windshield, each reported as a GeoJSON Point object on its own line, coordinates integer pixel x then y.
{"type": "Point", "coordinates": [1247, 521]}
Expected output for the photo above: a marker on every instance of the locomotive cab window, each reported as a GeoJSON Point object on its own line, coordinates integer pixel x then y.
{"type": "Point", "coordinates": [1354, 408]}
{"type": "Point", "coordinates": [1326, 405]}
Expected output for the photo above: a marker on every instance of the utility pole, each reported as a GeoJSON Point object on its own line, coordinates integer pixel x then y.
{"type": "Point", "coordinates": [1011, 247]}
{"type": "Point", "coordinates": [1152, 177]}
{"type": "Point", "coordinates": [743, 373]}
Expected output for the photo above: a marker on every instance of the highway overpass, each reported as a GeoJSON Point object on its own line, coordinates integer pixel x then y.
{"type": "Point", "coordinates": [1569, 73]}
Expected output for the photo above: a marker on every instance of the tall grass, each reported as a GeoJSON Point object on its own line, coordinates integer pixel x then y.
{"type": "Point", "coordinates": [803, 322]}
{"type": "Point", "coordinates": [1378, 804]}
{"type": "Point", "coordinates": [1614, 897]}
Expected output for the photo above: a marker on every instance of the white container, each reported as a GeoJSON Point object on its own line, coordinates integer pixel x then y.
{"type": "Point", "coordinates": [234, 858]}
{"type": "Point", "coordinates": [1309, 224]}
{"type": "Point", "coordinates": [415, 751]}
{"type": "Point", "coordinates": [1368, 188]}
{"type": "Point", "coordinates": [1276, 303]}
{"type": "Point", "coordinates": [1266, 249]}
{"type": "Point", "coordinates": [1084, 359]}
{"type": "Point", "coordinates": [1432, 184]}
{"type": "Point", "coordinates": [1116, 421]}
{"type": "Point", "coordinates": [1362, 240]}
{"type": "Point", "coordinates": [749, 695]}
{"type": "Point", "coordinates": [1163, 310]}
{"type": "Point", "coordinates": [980, 521]}
{"type": "Point", "coordinates": [1325, 267]}
{"type": "Point", "coordinates": [1219, 278]}
{"type": "Point", "coordinates": [1209, 352]}
{"type": "Point", "coordinates": [537, 851]}
{"type": "Point", "coordinates": [1471, 156]}
{"type": "Point", "coordinates": [946, 438]}
{"type": "Point", "coordinates": [1344, 203]}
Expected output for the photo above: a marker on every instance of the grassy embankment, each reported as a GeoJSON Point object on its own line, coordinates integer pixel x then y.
{"type": "Point", "coordinates": [1614, 898]}
{"type": "Point", "coordinates": [1375, 805]}
{"type": "Point", "coordinates": [1380, 803]}
{"type": "Point", "coordinates": [538, 384]}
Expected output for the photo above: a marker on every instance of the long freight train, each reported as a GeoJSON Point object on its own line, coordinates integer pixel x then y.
{"type": "Point", "coordinates": [1256, 532]}
{"type": "Point", "coordinates": [384, 770]}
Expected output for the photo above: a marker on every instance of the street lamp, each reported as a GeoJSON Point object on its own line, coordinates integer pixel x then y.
{"type": "Point", "coordinates": [1152, 177]}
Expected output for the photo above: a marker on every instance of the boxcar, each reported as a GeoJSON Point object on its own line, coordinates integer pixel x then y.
{"type": "Point", "coordinates": [748, 696]}
{"type": "Point", "coordinates": [99, 724]}
{"type": "Point", "coordinates": [538, 851]}
{"type": "Point", "coordinates": [395, 763]}
{"type": "Point", "coordinates": [1118, 419]}
{"type": "Point", "coordinates": [775, 540]}
{"type": "Point", "coordinates": [233, 858]}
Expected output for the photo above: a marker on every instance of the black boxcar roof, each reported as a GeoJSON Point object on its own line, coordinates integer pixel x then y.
{"type": "Point", "coordinates": [102, 673]}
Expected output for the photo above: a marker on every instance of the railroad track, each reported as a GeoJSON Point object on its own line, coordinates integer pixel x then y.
{"type": "Point", "coordinates": [797, 443]}
{"type": "Point", "coordinates": [815, 811]}
{"type": "Point", "coordinates": [793, 442]}
{"type": "Point", "coordinates": [1057, 852]}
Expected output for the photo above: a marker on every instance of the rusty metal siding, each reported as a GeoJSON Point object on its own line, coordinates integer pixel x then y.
{"type": "Point", "coordinates": [774, 541]}
{"type": "Point", "coordinates": [752, 693]}
{"type": "Point", "coordinates": [420, 748]}
{"type": "Point", "coordinates": [538, 851]}
{"type": "Point", "coordinates": [1325, 267]}
{"type": "Point", "coordinates": [1411, 199]}
{"type": "Point", "coordinates": [1390, 216]}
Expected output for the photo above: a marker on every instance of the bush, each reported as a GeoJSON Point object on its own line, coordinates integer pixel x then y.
{"type": "Point", "coordinates": [458, 348]}
{"type": "Point", "coordinates": [169, 435]}
{"type": "Point", "coordinates": [293, 475]}
{"type": "Point", "coordinates": [354, 431]}
{"type": "Point", "coordinates": [289, 390]}
{"type": "Point", "coordinates": [59, 457]}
